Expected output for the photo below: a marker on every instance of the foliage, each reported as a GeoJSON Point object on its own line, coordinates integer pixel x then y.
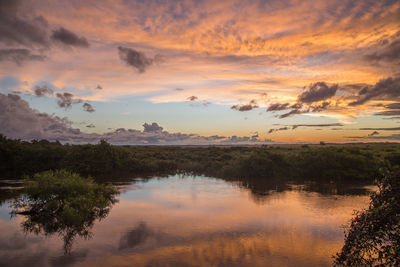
{"type": "Point", "coordinates": [373, 238]}
{"type": "Point", "coordinates": [104, 161]}
{"type": "Point", "coordinates": [63, 202]}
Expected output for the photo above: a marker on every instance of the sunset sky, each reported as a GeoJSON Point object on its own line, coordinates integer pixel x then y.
{"type": "Point", "coordinates": [199, 72]}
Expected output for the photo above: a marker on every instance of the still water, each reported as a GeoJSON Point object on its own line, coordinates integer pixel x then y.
{"type": "Point", "coordinates": [197, 221]}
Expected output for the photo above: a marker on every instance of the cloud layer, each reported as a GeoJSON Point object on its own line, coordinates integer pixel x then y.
{"type": "Point", "coordinates": [18, 120]}
{"type": "Point", "coordinates": [300, 61]}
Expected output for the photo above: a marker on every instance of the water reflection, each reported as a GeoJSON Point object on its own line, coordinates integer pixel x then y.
{"type": "Point", "coordinates": [199, 221]}
{"type": "Point", "coordinates": [135, 236]}
{"type": "Point", "coordinates": [68, 208]}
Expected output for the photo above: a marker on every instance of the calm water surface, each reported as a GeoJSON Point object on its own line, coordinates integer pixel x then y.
{"type": "Point", "coordinates": [196, 221]}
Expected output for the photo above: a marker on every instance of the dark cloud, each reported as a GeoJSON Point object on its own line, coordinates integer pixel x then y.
{"type": "Point", "coordinates": [192, 98]}
{"type": "Point", "coordinates": [42, 90]}
{"type": "Point", "coordinates": [18, 120]}
{"type": "Point", "coordinates": [296, 109]}
{"type": "Point", "coordinates": [18, 56]}
{"type": "Point", "coordinates": [277, 106]}
{"type": "Point", "coordinates": [373, 133]}
{"type": "Point", "coordinates": [295, 126]}
{"type": "Point", "coordinates": [99, 87]}
{"type": "Point", "coordinates": [318, 91]}
{"type": "Point", "coordinates": [279, 129]}
{"type": "Point", "coordinates": [315, 92]}
{"type": "Point", "coordinates": [255, 137]}
{"type": "Point", "coordinates": [317, 125]}
{"type": "Point", "coordinates": [385, 89]}
{"type": "Point", "coordinates": [392, 118]}
{"type": "Point", "coordinates": [388, 113]}
{"type": "Point", "coordinates": [179, 89]}
{"type": "Point", "coordinates": [88, 107]}
{"type": "Point", "coordinates": [353, 88]}
{"type": "Point", "coordinates": [154, 127]}
{"type": "Point", "coordinates": [375, 137]}
{"type": "Point", "coordinates": [387, 137]}
{"type": "Point", "coordinates": [137, 59]}
{"type": "Point", "coordinates": [393, 106]}
{"type": "Point", "coordinates": [247, 107]}
{"type": "Point", "coordinates": [66, 37]}
{"type": "Point", "coordinates": [292, 113]}
{"type": "Point", "coordinates": [296, 106]}
{"type": "Point", "coordinates": [65, 100]}
{"type": "Point", "coordinates": [380, 129]}
{"type": "Point", "coordinates": [318, 108]}
{"type": "Point", "coordinates": [21, 29]}
{"type": "Point", "coordinates": [90, 125]}
{"type": "Point", "coordinates": [388, 53]}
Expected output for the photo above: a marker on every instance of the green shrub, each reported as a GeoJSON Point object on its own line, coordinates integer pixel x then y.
{"type": "Point", "coordinates": [63, 202]}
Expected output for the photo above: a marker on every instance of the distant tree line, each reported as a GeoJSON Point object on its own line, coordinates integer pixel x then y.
{"type": "Point", "coordinates": [329, 162]}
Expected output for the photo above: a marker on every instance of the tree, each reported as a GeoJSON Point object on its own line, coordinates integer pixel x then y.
{"type": "Point", "coordinates": [63, 202]}
{"type": "Point", "coordinates": [373, 238]}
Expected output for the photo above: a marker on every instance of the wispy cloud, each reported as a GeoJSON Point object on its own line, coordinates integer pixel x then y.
{"type": "Point", "coordinates": [295, 126]}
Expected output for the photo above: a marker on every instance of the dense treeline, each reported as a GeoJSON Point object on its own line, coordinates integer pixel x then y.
{"type": "Point", "coordinates": [330, 162]}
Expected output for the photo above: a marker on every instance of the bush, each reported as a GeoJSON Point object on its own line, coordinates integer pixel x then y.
{"type": "Point", "coordinates": [373, 238]}
{"type": "Point", "coordinates": [63, 202]}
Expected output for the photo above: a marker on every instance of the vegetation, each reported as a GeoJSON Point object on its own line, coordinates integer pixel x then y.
{"type": "Point", "coordinates": [330, 162]}
{"type": "Point", "coordinates": [373, 238]}
{"type": "Point", "coordinates": [58, 201]}
{"type": "Point", "coordinates": [64, 203]}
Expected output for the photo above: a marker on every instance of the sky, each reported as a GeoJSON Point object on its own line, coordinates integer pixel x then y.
{"type": "Point", "coordinates": [200, 72]}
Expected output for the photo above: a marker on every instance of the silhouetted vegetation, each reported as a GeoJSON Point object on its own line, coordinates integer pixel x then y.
{"type": "Point", "coordinates": [328, 162]}
{"type": "Point", "coordinates": [373, 238]}
{"type": "Point", "coordinates": [63, 203]}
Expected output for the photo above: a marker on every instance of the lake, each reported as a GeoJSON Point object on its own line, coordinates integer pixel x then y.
{"type": "Point", "coordinates": [186, 220]}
